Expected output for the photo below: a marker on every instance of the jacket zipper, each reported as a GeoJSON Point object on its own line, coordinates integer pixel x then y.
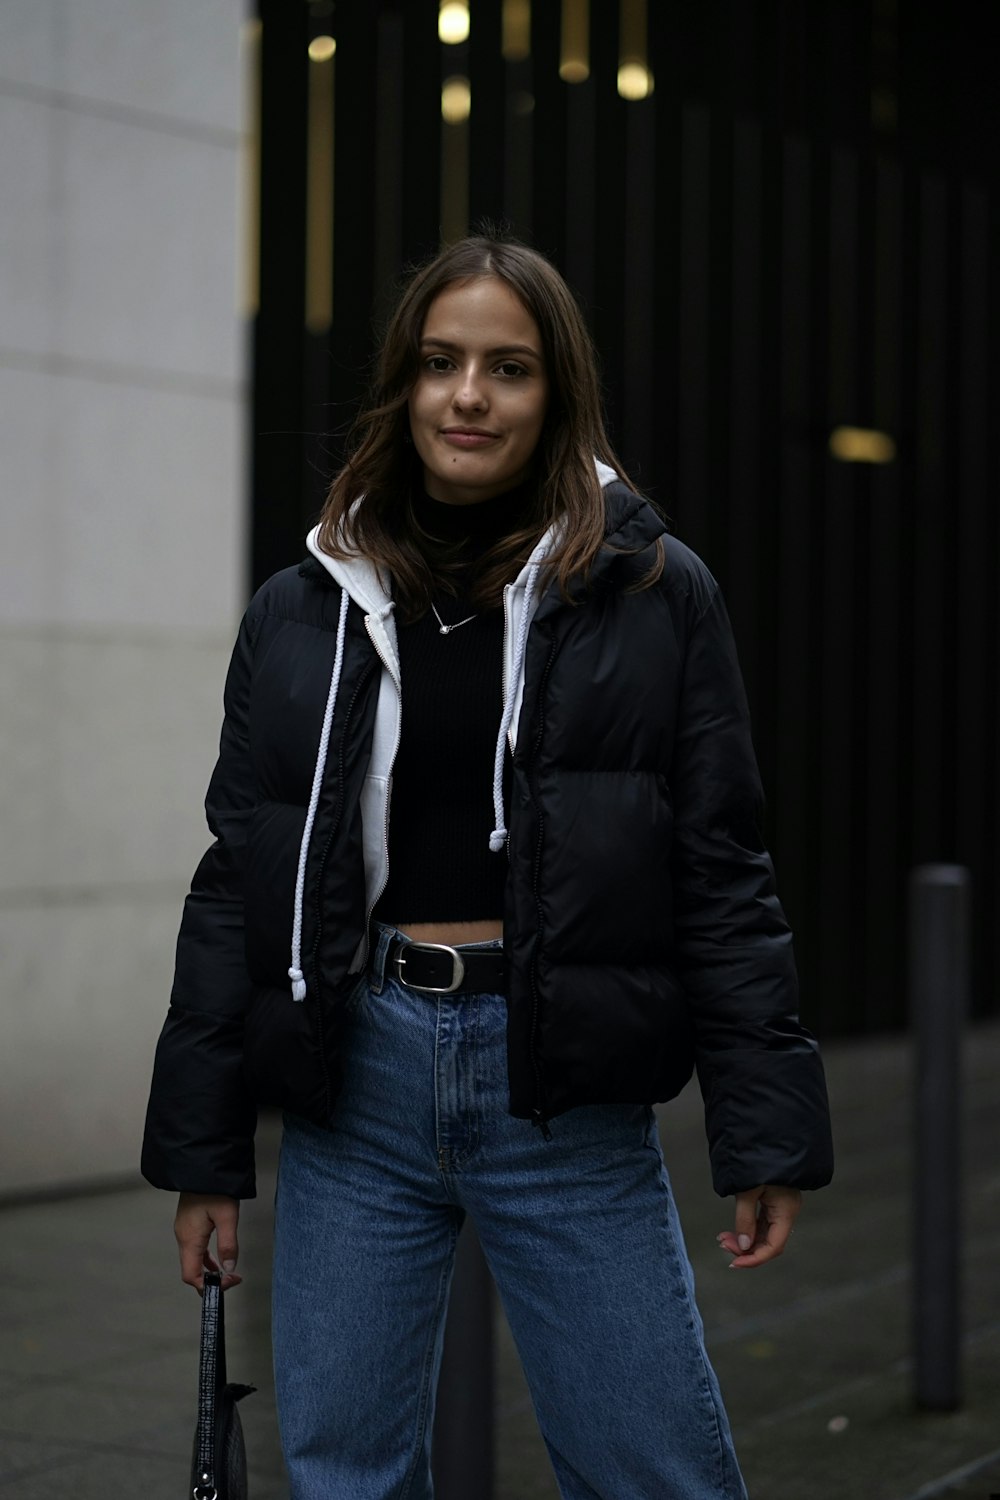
{"type": "Point", "coordinates": [385, 816]}
{"type": "Point", "coordinates": [314, 955]}
{"type": "Point", "coordinates": [538, 1116]}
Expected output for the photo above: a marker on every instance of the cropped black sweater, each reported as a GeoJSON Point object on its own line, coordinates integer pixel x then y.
{"type": "Point", "coordinates": [441, 868]}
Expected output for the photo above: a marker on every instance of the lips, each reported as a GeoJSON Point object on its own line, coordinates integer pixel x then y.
{"type": "Point", "coordinates": [468, 437]}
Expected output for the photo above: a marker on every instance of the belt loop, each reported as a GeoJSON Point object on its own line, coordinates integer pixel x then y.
{"type": "Point", "coordinates": [384, 938]}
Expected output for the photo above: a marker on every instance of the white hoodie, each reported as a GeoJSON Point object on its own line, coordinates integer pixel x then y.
{"type": "Point", "coordinates": [361, 581]}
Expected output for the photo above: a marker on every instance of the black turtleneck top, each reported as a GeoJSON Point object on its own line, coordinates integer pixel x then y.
{"type": "Point", "coordinates": [441, 868]}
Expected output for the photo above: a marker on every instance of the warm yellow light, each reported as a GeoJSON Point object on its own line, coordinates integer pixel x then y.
{"type": "Point", "coordinates": [322, 48]}
{"type": "Point", "coordinates": [862, 445]}
{"type": "Point", "coordinates": [453, 22]}
{"type": "Point", "coordinates": [456, 100]}
{"type": "Point", "coordinates": [635, 81]}
{"type": "Point", "coordinates": [516, 22]}
{"type": "Point", "coordinates": [574, 49]}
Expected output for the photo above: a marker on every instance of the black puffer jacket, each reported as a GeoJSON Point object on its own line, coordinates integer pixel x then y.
{"type": "Point", "coordinates": [642, 932]}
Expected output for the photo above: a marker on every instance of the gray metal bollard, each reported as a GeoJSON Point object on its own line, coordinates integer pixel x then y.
{"type": "Point", "coordinates": [462, 1451]}
{"type": "Point", "coordinates": [939, 1004]}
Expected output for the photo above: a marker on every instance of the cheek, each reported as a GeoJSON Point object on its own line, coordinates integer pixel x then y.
{"type": "Point", "coordinates": [422, 401]}
{"type": "Point", "coordinates": [538, 422]}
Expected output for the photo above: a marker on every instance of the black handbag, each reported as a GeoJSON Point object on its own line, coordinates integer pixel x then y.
{"type": "Point", "coordinates": [218, 1460]}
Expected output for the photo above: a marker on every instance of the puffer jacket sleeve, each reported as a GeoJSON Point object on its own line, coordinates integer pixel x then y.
{"type": "Point", "coordinates": [760, 1073]}
{"type": "Point", "coordinates": [200, 1120]}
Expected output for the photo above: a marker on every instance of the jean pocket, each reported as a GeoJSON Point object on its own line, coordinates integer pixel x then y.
{"type": "Point", "coordinates": [358, 995]}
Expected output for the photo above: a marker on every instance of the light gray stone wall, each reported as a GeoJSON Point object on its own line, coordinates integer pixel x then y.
{"type": "Point", "coordinates": [122, 541]}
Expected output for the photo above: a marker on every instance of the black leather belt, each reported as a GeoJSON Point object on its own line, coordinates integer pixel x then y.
{"type": "Point", "coordinates": [437, 969]}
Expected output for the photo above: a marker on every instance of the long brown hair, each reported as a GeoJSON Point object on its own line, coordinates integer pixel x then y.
{"type": "Point", "coordinates": [384, 469]}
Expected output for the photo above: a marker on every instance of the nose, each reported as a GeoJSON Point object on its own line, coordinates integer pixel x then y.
{"type": "Point", "coordinates": [470, 391]}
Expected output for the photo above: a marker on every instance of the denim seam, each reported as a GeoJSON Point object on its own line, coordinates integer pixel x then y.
{"type": "Point", "coordinates": [424, 1395]}
{"type": "Point", "coordinates": [706, 1391]}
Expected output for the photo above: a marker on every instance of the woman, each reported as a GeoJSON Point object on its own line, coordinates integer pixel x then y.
{"type": "Point", "coordinates": [484, 1006]}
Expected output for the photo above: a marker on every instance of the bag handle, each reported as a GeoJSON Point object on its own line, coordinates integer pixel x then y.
{"type": "Point", "coordinates": [211, 1376]}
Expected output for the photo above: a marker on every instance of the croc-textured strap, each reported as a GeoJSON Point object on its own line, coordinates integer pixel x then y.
{"type": "Point", "coordinates": [209, 1379]}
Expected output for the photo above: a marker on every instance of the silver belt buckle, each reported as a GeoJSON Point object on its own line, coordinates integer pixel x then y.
{"type": "Point", "coordinates": [458, 972]}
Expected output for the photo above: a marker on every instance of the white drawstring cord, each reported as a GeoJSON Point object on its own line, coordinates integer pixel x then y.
{"type": "Point", "coordinates": [499, 835]}
{"type": "Point", "coordinates": [295, 973]}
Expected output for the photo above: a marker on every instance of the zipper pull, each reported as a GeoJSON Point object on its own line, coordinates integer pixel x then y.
{"type": "Point", "coordinates": [537, 1118]}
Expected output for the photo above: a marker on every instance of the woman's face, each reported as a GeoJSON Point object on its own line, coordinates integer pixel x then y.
{"type": "Point", "coordinates": [479, 403]}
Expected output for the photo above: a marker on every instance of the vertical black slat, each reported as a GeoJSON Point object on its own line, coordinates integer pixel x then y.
{"type": "Point", "coordinates": [927, 47]}
{"type": "Point", "coordinates": [975, 656]}
{"type": "Point", "coordinates": [279, 513]}
{"type": "Point", "coordinates": [863, 904]}
{"type": "Point", "coordinates": [788, 81]}
{"type": "Point", "coordinates": [796, 728]}
{"type": "Point", "coordinates": [388, 184]}
{"type": "Point", "coordinates": [825, 995]}
{"type": "Point", "coordinates": [581, 189]}
{"type": "Point", "coordinates": [519, 114]}
{"type": "Point", "coordinates": [952, 502]}
{"type": "Point", "coordinates": [908, 273]}
{"type": "Point", "coordinates": [842, 943]}
{"type": "Point", "coordinates": [609, 169]}
{"type": "Point", "coordinates": [991, 654]}
{"type": "Point", "coordinates": [744, 543]}
{"type": "Point", "coordinates": [421, 217]}
{"type": "Point", "coordinates": [348, 349]}
{"type": "Point", "coordinates": [738, 33]}
{"type": "Point", "coordinates": [638, 292]}
{"type": "Point", "coordinates": [548, 209]}
{"type": "Point", "coordinates": [694, 32]}
{"type": "Point", "coordinates": [720, 333]}
{"type": "Point", "coordinates": [486, 124]}
{"type": "Point", "coordinates": [931, 523]}
{"type": "Point", "coordinates": [665, 231]}
{"type": "Point", "coordinates": [846, 69]}
{"type": "Point", "coordinates": [886, 745]}
{"type": "Point", "coordinates": [769, 463]}
{"type": "Point", "coordinates": [322, 442]}
{"type": "Point", "coordinates": [692, 512]}
{"type": "Point", "coordinates": [454, 179]}
{"type": "Point", "coordinates": [814, 95]}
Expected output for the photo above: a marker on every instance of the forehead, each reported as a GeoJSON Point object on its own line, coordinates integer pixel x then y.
{"type": "Point", "coordinates": [481, 310]}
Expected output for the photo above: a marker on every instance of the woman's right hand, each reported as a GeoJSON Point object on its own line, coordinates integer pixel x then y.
{"type": "Point", "coordinates": [198, 1215]}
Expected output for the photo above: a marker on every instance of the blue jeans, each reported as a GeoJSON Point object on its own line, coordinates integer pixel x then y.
{"type": "Point", "coordinates": [581, 1235]}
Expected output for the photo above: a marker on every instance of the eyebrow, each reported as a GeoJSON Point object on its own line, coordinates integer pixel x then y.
{"type": "Point", "coordinates": [502, 349]}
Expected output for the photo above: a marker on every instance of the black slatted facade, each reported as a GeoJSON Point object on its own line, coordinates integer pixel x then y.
{"type": "Point", "coordinates": [798, 230]}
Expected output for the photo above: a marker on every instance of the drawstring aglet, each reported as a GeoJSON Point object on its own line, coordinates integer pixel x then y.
{"type": "Point", "coordinates": [298, 984]}
{"type": "Point", "coordinates": [497, 840]}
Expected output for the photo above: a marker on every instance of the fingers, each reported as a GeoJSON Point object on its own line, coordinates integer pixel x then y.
{"type": "Point", "coordinates": [746, 1217]}
{"type": "Point", "coordinates": [762, 1237]}
{"type": "Point", "coordinates": [198, 1215]}
{"type": "Point", "coordinates": [226, 1242]}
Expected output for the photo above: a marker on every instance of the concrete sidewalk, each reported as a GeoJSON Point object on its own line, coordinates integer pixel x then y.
{"type": "Point", "coordinates": [99, 1343]}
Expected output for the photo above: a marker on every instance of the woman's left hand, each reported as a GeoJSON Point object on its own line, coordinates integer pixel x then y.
{"type": "Point", "coordinates": [764, 1219]}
